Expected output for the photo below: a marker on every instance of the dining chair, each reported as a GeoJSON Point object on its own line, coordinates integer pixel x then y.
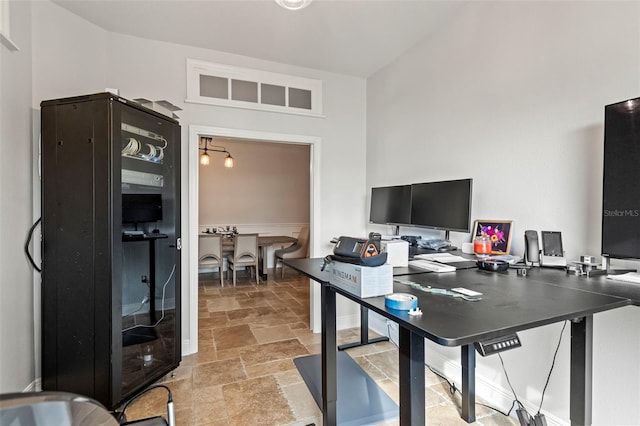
{"type": "Point", "coordinates": [298, 250]}
{"type": "Point", "coordinates": [210, 254]}
{"type": "Point", "coordinates": [245, 253]}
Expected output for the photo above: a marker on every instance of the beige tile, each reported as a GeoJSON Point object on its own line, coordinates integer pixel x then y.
{"type": "Point", "coordinates": [213, 320]}
{"type": "Point", "coordinates": [185, 417]}
{"type": "Point", "coordinates": [252, 303]}
{"type": "Point", "coordinates": [301, 325]}
{"type": "Point", "coordinates": [218, 373]}
{"type": "Point", "coordinates": [289, 377]}
{"type": "Point", "coordinates": [273, 352]}
{"type": "Point", "coordinates": [222, 304]}
{"type": "Point", "coordinates": [210, 411]}
{"type": "Point", "coordinates": [307, 338]}
{"type": "Point", "coordinates": [208, 394]}
{"type": "Point", "coordinates": [228, 353]}
{"type": "Point", "coordinates": [269, 368]}
{"type": "Point", "coordinates": [257, 401]}
{"type": "Point", "coordinates": [272, 334]}
{"type": "Point", "coordinates": [301, 401]}
{"type": "Point", "coordinates": [184, 371]}
{"type": "Point", "coordinates": [250, 315]}
{"type": "Point", "coordinates": [391, 389]}
{"type": "Point", "coordinates": [315, 348]}
{"type": "Point", "coordinates": [207, 354]}
{"type": "Point", "coordinates": [386, 362]}
{"type": "Point", "coordinates": [444, 415]}
{"type": "Point", "coordinates": [233, 337]}
{"type": "Point", "coordinates": [372, 370]}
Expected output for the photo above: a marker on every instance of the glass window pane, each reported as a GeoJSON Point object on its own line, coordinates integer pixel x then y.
{"type": "Point", "coordinates": [299, 98]}
{"type": "Point", "coordinates": [214, 87]}
{"type": "Point", "coordinates": [244, 91]}
{"type": "Point", "coordinates": [273, 95]}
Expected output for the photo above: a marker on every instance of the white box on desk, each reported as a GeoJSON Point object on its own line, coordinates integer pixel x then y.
{"type": "Point", "coordinates": [397, 252]}
{"type": "Point", "coordinates": [363, 281]}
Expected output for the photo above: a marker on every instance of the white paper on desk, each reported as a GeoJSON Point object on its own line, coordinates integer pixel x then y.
{"type": "Point", "coordinates": [441, 257]}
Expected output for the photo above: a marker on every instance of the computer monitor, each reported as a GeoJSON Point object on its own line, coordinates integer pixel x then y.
{"type": "Point", "coordinates": [444, 205]}
{"type": "Point", "coordinates": [141, 208]}
{"type": "Point", "coordinates": [621, 174]}
{"type": "Point", "coordinates": [391, 205]}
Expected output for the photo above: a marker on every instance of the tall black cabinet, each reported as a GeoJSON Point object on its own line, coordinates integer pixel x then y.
{"type": "Point", "coordinates": [110, 248]}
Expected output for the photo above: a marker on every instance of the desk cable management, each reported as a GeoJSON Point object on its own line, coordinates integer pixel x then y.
{"type": "Point", "coordinates": [524, 417]}
{"type": "Point", "coordinates": [452, 386]}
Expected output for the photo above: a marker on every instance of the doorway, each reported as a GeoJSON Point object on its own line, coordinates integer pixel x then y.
{"type": "Point", "coordinates": [190, 294]}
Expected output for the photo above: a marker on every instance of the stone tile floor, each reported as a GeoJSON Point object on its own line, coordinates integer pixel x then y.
{"type": "Point", "coordinates": [244, 373]}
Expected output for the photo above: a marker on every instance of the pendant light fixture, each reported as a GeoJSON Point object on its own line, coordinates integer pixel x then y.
{"type": "Point", "coordinates": [204, 157]}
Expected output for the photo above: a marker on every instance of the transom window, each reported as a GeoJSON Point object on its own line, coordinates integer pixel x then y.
{"type": "Point", "coordinates": [224, 85]}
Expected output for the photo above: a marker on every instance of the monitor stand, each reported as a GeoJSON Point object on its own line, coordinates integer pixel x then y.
{"type": "Point", "coordinates": [606, 269]}
{"type": "Point", "coordinates": [449, 247]}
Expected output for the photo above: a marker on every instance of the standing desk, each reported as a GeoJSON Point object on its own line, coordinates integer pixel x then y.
{"type": "Point", "coordinates": [509, 304]}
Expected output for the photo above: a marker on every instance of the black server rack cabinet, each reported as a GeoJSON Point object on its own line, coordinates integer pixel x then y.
{"type": "Point", "coordinates": [110, 247]}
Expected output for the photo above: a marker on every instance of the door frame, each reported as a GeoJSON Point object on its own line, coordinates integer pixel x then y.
{"type": "Point", "coordinates": [190, 298]}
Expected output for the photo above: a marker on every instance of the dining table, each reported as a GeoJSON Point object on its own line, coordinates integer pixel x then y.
{"type": "Point", "coordinates": [264, 242]}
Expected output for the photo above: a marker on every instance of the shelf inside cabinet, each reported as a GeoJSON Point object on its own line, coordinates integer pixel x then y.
{"type": "Point", "coordinates": [142, 132]}
{"type": "Point", "coordinates": [142, 237]}
{"type": "Point", "coordinates": [152, 151]}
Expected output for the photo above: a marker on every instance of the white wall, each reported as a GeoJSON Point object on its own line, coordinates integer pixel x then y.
{"type": "Point", "coordinates": [68, 54]}
{"type": "Point", "coordinates": [268, 184]}
{"type": "Point", "coordinates": [17, 368]}
{"type": "Point", "coordinates": [512, 94]}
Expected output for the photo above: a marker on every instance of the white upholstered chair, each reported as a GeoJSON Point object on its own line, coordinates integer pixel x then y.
{"type": "Point", "coordinates": [245, 253]}
{"type": "Point", "coordinates": [299, 250]}
{"type": "Point", "coordinates": [210, 254]}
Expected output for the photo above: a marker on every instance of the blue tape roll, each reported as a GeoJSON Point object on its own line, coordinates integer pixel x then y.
{"type": "Point", "coordinates": [401, 301]}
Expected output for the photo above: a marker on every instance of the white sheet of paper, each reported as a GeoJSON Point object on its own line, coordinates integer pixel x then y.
{"type": "Point", "coordinates": [441, 257]}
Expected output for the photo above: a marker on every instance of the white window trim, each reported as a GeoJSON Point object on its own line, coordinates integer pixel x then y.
{"type": "Point", "coordinates": [196, 68]}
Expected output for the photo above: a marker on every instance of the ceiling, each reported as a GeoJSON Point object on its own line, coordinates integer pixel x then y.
{"type": "Point", "coordinates": [353, 37]}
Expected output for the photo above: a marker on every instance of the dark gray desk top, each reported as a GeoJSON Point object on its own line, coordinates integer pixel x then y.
{"type": "Point", "coordinates": [600, 284]}
{"type": "Point", "coordinates": [509, 304]}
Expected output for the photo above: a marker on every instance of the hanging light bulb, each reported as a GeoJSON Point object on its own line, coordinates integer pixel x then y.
{"type": "Point", "coordinates": [204, 159]}
{"type": "Point", "coordinates": [228, 161]}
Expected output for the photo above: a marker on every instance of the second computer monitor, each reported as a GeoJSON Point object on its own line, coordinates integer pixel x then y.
{"type": "Point", "coordinates": [444, 205]}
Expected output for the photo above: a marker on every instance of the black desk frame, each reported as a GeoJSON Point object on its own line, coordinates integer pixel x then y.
{"type": "Point", "coordinates": [411, 356]}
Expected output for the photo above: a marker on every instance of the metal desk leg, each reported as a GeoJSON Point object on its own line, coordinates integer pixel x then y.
{"type": "Point", "coordinates": [329, 370]}
{"type": "Point", "coordinates": [581, 371]}
{"type": "Point", "coordinates": [152, 281]}
{"type": "Point", "coordinates": [364, 332]}
{"type": "Point", "coordinates": [468, 357]}
{"type": "Point", "coordinates": [411, 372]}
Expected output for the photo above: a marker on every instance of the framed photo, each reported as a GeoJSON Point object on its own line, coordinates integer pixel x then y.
{"type": "Point", "coordinates": [498, 231]}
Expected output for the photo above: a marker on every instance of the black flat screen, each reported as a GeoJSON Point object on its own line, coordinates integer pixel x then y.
{"type": "Point", "coordinates": [391, 205]}
{"type": "Point", "coordinates": [141, 208]}
{"type": "Point", "coordinates": [621, 183]}
{"type": "Point", "coordinates": [442, 205]}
